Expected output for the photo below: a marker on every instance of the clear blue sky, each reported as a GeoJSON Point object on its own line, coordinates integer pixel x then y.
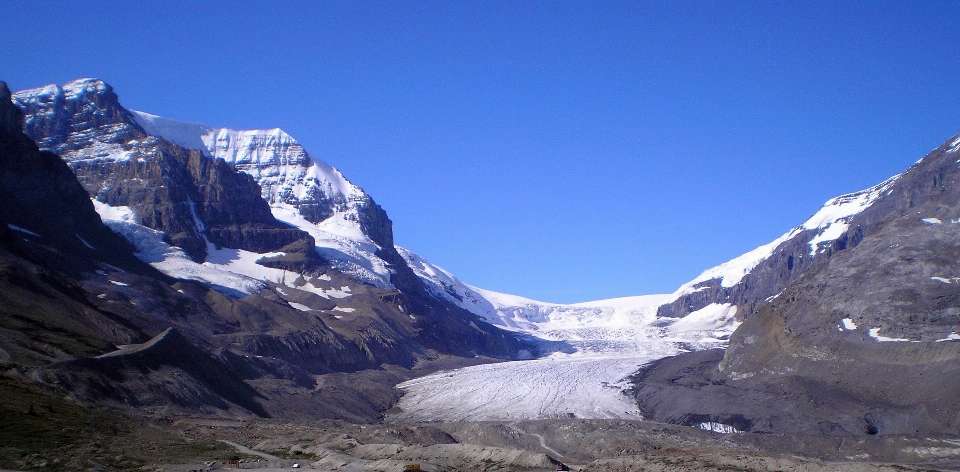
{"type": "Point", "coordinates": [564, 151]}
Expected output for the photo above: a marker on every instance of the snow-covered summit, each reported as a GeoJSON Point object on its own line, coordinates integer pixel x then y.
{"type": "Point", "coordinates": [302, 190]}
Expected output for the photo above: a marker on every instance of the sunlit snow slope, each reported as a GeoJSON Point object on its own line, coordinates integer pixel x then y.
{"type": "Point", "coordinates": [300, 189]}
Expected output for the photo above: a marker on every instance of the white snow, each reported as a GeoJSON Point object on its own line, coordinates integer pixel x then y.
{"type": "Point", "coordinates": [288, 176]}
{"type": "Point", "coordinates": [944, 279]}
{"type": "Point", "coordinates": [232, 271]}
{"type": "Point", "coordinates": [875, 334]}
{"type": "Point", "coordinates": [849, 325]}
{"type": "Point", "coordinates": [601, 343]}
{"type": "Point", "coordinates": [119, 283]}
{"type": "Point", "coordinates": [300, 306]}
{"type": "Point", "coordinates": [932, 221]}
{"type": "Point", "coordinates": [950, 337]}
{"type": "Point", "coordinates": [831, 220]}
{"type": "Point", "coordinates": [954, 145]}
{"type": "Point", "coordinates": [344, 309]}
{"type": "Point", "coordinates": [718, 427]}
{"type": "Point", "coordinates": [543, 388]}
{"type": "Point", "coordinates": [732, 272]}
{"type": "Point", "coordinates": [22, 230]}
{"type": "Point", "coordinates": [598, 343]}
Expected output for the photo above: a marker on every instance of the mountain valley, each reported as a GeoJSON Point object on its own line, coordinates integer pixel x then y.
{"type": "Point", "coordinates": [203, 284]}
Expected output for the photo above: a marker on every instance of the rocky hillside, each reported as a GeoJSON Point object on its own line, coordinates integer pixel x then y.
{"type": "Point", "coordinates": [862, 342]}
{"type": "Point", "coordinates": [260, 319]}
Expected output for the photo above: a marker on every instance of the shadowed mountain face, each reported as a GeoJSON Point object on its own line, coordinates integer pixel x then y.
{"type": "Point", "coordinates": [72, 290]}
{"type": "Point", "coordinates": [172, 189]}
{"type": "Point", "coordinates": [865, 342]}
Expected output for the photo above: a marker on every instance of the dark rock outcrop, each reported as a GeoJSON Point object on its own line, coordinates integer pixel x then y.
{"type": "Point", "coordinates": [167, 369]}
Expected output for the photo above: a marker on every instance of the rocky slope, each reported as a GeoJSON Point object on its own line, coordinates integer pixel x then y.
{"type": "Point", "coordinates": [267, 326]}
{"type": "Point", "coordinates": [861, 343]}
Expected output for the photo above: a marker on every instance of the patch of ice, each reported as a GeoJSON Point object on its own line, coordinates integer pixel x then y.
{"type": "Point", "coordinates": [114, 213]}
{"type": "Point", "coordinates": [831, 220]}
{"type": "Point", "coordinates": [954, 145]}
{"type": "Point", "coordinates": [718, 428]}
{"type": "Point", "coordinates": [950, 337]}
{"type": "Point", "coordinates": [713, 322]}
{"type": "Point", "coordinates": [849, 325]}
{"type": "Point", "coordinates": [875, 334]}
{"type": "Point", "coordinates": [300, 306]}
{"type": "Point", "coordinates": [828, 234]}
{"type": "Point", "coordinates": [774, 297]}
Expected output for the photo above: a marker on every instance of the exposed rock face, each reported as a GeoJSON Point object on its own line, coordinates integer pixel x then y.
{"type": "Point", "coordinates": [180, 373]}
{"type": "Point", "coordinates": [197, 183]}
{"type": "Point", "coordinates": [171, 189]}
{"type": "Point", "coordinates": [42, 198]}
{"type": "Point", "coordinates": [862, 343]}
{"type": "Point", "coordinates": [279, 338]}
{"type": "Point", "coordinates": [302, 190]}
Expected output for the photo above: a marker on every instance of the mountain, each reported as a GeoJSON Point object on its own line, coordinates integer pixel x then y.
{"type": "Point", "coordinates": [859, 337]}
{"type": "Point", "coordinates": [275, 273]}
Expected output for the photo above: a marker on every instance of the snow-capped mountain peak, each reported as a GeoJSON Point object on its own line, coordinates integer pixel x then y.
{"type": "Point", "coordinates": [302, 191]}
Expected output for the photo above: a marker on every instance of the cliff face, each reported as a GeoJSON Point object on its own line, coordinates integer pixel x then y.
{"type": "Point", "coordinates": [172, 189]}
{"type": "Point", "coordinates": [863, 342]}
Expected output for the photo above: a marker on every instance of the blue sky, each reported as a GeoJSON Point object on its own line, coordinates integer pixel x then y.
{"type": "Point", "coordinates": [564, 151]}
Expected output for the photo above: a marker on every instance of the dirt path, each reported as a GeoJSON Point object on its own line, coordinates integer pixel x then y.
{"type": "Point", "coordinates": [247, 450]}
{"type": "Point", "coordinates": [543, 443]}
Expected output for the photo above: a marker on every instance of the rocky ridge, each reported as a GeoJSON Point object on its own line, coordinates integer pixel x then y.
{"type": "Point", "coordinates": [861, 343]}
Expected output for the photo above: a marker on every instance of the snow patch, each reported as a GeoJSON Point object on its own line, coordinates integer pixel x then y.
{"type": "Point", "coordinates": [831, 220]}
{"type": "Point", "coordinates": [718, 428]}
{"type": "Point", "coordinates": [300, 306]}
{"type": "Point", "coordinates": [932, 221]}
{"type": "Point", "coordinates": [231, 271]}
{"type": "Point", "coordinates": [119, 283]}
{"type": "Point", "coordinates": [848, 324]}
{"type": "Point", "coordinates": [830, 233]}
{"type": "Point", "coordinates": [344, 309]}
{"type": "Point", "coordinates": [950, 337]}
{"type": "Point", "coordinates": [875, 334]}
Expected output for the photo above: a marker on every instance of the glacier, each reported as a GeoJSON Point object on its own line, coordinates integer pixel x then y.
{"type": "Point", "coordinates": [595, 345]}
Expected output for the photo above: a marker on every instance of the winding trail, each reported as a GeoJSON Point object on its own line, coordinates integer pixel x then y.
{"type": "Point", "coordinates": [543, 443]}
{"type": "Point", "coordinates": [247, 450]}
